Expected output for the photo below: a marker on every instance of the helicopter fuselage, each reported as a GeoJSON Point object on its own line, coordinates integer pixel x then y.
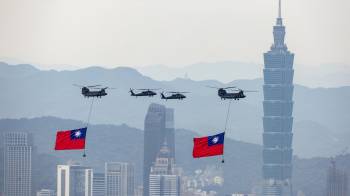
{"type": "Point", "coordinates": [223, 94]}
{"type": "Point", "coordinates": [148, 93]}
{"type": "Point", "coordinates": [87, 93]}
{"type": "Point", "coordinates": [174, 96]}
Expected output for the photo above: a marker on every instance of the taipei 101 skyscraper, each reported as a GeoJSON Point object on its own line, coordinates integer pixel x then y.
{"type": "Point", "coordinates": [278, 120]}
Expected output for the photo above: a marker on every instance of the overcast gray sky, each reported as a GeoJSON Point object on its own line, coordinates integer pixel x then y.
{"type": "Point", "coordinates": [56, 33]}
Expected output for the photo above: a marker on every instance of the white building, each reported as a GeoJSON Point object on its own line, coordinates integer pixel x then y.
{"type": "Point", "coordinates": [163, 178]}
{"type": "Point", "coordinates": [17, 164]}
{"type": "Point", "coordinates": [98, 184]}
{"type": "Point", "coordinates": [119, 179]}
{"type": "Point", "coordinates": [74, 180]}
{"type": "Point", "coordinates": [46, 192]}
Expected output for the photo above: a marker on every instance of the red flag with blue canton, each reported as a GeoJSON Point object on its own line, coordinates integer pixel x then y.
{"type": "Point", "coordinates": [71, 139]}
{"type": "Point", "coordinates": [208, 146]}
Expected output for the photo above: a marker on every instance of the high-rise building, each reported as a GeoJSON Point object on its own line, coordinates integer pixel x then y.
{"type": "Point", "coordinates": [17, 164]}
{"type": "Point", "coordinates": [139, 191]}
{"type": "Point", "coordinates": [46, 192]}
{"type": "Point", "coordinates": [119, 179]}
{"type": "Point", "coordinates": [337, 181]}
{"type": "Point", "coordinates": [278, 108]}
{"type": "Point", "coordinates": [170, 130]}
{"type": "Point", "coordinates": [2, 163]}
{"type": "Point", "coordinates": [98, 184]}
{"type": "Point", "coordinates": [163, 178]}
{"type": "Point", "coordinates": [74, 180]}
{"type": "Point", "coordinates": [159, 126]}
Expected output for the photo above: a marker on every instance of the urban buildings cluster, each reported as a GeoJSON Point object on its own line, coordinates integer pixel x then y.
{"type": "Point", "coordinates": [77, 180]}
{"type": "Point", "coordinates": [161, 176]}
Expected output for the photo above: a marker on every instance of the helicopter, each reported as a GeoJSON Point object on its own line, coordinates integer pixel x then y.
{"type": "Point", "coordinates": [87, 92]}
{"type": "Point", "coordinates": [238, 94]}
{"type": "Point", "coordinates": [174, 95]}
{"type": "Point", "coordinates": [143, 93]}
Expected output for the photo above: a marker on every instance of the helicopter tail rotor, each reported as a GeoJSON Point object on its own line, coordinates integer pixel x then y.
{"type": "Point", "coordinates": [162, 95]}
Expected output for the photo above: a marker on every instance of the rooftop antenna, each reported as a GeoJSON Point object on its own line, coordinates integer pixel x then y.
{"type": "Point", "coordinates": [279, 18]}
{"type": "Point", "coordinates": [279, 9]}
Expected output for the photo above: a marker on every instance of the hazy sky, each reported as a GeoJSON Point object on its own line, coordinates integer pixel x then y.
{"type": "Point", "coordinates": [57, 33]}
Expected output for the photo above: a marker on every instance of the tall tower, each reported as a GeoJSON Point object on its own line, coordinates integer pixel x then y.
{"type": "Point", "coordinates": [17, 164]}
{"type": "Point", "coordinates": [159, 127]}
{"type": "Point", "coordinates": [278, 120]}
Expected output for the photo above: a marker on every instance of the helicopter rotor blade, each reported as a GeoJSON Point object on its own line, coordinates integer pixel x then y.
{"type": "Point", "coordinates": [104, 88]}
{"type": "Point", "coordinates": [213, 87]}
{"type": "Point", "coordinates": [149, 89]}
{"type": "Point", "coordinates": [229, 87]}
{"type": "Point", "coordinates": [77, 85]}
{"type": "Point", "coordinates": [176, 92]}
{"type": "Point", "coordinates": [92, 86]}
{"type": "Point", "coordinates": [248, 91]}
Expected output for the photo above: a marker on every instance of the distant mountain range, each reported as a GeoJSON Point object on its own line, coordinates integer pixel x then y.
{"type": "Point", "coordinates": [242, 167]}
{"type": "Point", "coordinates": [321, 113]}
{"type": "Point", "coordinates": [222, 71]}
{"type": "Point", "coordinates": [226, 71]}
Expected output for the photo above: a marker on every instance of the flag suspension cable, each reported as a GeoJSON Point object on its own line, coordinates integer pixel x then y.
{"type": "Point", "coordinates": [226, 121]}
{"type": "Point", "coordinates": [228, 114]}
{"type": "Point", "coordinates": [88, 122]}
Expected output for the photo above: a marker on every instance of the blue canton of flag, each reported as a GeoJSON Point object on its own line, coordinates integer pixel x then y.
{"type": "Point", "coordinates": [78, 133]}
{"type": "Point", "coordinates": [216, 139]}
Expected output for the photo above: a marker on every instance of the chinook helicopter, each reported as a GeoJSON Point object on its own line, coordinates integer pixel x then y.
{"type": "Point", "coordinates": [87, 92]}
{"type": "Point", "coordinates": [143, 93]}
{"type": "Point", "coordinates": [236, 95]}
{"type": "Point", "coordinates": [173, 95]}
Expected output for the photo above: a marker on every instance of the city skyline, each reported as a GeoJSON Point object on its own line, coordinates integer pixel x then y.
{"type": "Point", "coordinates": [281, 138]}
{"type": "Point", "coordinates": [196, 179]}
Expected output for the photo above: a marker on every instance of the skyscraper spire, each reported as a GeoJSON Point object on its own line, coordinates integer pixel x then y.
{"type": "Point", "coordinates": [279, 18]}
{"type": "Point", "coordinates": [279, 9]}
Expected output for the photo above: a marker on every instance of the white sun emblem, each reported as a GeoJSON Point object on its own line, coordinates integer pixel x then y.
{"type": "Point", "coordinates": [215, 140]}
{"type": "Point", "coordinates": [77, 134]}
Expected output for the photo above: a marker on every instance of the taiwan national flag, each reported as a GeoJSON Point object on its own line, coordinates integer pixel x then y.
{"type": "Point", "coordinates": [71, 139]}
{"type": "Point", "coordinates": [209, 146]}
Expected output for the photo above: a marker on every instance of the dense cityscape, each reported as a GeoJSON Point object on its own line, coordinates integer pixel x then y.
{"type": "Point", "coordinates": [160, 173]}
{"type": "Point", "coordinates": [163, 176]}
